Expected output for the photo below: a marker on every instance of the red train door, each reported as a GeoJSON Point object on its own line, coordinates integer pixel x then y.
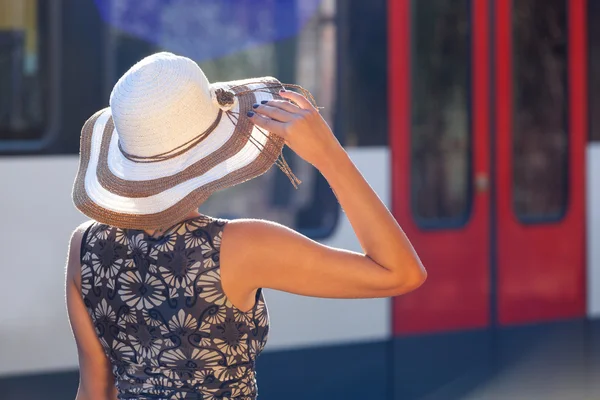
{"type": "Point", "coordinates": [540, 156]}
{"type": "Point", "coordinates": [491, 193]}
{"type": "Point", "coordinates": [440, 162]}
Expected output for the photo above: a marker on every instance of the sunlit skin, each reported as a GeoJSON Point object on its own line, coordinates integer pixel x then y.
{"type": "Point", "coordinates": [262, 254]}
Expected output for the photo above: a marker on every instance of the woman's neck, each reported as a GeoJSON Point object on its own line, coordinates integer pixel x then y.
{"type": "Point", "coordinates": [161, 229]}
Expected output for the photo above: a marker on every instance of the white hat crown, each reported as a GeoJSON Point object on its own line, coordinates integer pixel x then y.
{"type": "Point", "coordinates": [161, 103]}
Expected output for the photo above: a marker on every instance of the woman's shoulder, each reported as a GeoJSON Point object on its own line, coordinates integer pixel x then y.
{"type": "Point", "coordinates": [74, 252]}
{"type": "Point", "coordinates": [80, 231]}
{"type": "Point", "coordinates": [251, 226]}
{"type": "Point", "coordinates": [254, 235]}
{"type": "Point", "coordinates": [81, 235]}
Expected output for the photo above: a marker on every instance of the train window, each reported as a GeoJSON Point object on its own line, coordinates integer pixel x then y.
{"type": "Point", "coordinates": [441, 134]}
{"type": "Point", "coordinates": [22, 82]}
{"type": "Point", "coordinates": [540, 137]}
{"type": "Point", "coordinates": [362, 70]}
{"type": "Point", "coordinates": [594, 60]}
{"type": "Point", "coordinates": [294, 41]}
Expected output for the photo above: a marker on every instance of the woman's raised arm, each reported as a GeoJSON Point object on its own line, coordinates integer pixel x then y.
{"type": "Point", "coordinates": [262, 254]}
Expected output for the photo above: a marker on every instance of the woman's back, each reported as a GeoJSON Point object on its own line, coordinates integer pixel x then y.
{"type": "Point", "coordinates": [162, 316]}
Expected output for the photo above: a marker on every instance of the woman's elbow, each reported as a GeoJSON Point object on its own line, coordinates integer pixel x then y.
{"type": "Point", "coordinates": [419, 279]}
{"type": "Point", "coordinates": [409, 280]}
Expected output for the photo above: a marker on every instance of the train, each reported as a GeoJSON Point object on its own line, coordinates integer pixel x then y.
{"type": "Point", "coordinates": [474, 121]}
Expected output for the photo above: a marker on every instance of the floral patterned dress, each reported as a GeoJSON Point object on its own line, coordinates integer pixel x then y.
{"type": "Point", "coordinates": [162, 316]}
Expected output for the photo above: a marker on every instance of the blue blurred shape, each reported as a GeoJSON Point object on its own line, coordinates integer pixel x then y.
{"type": "Point", "coordinates": [205, 29]}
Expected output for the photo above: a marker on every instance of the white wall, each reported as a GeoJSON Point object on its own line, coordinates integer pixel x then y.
{"type": "Point", "coordinates": [593, 230]}
{"type": "Point", "coordinates": [37, 218]}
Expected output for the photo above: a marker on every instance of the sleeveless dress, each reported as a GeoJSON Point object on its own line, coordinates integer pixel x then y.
{"type": "Point", "coordinates": [162, 316]}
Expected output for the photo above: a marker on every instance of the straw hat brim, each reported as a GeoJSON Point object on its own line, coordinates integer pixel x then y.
{"type": "Point", "coordinates": [112, 189]}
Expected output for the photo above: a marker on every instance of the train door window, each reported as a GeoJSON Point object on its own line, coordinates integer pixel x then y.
{"type": "Point", "coordinates": [295, 41]}
{"type": "Point", "coordinates": [362, 105]}
{"type": "Point", "coordinates": [23, 100]}
{"type": "Point", "coordinates": [540, 136]}
{"type": "Point", "coordinates": [594, 66]}
{"type": "Point", "coordinates": [440, 135]}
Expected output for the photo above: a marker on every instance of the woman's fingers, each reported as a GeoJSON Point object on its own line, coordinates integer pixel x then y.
{"type": "Point", "coordinates": [276, 113]}
{"type": "Point", "coordinates": [280, 117]}
{"type": "Point", "coordinates": [268, 124]}
{"type": "Point", "coordinates": [283, 104]}
{"type": "Point", "coordinates": [297, 98]}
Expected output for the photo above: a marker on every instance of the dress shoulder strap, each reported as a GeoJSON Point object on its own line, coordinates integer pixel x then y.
{"type": "Point", "coordinates": [84, 240]}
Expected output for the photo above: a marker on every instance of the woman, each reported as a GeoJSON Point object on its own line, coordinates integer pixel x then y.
{"type": "Point", "coordinates": [166, 303]}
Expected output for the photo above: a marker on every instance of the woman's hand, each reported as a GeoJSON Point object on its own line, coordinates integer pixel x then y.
{"type": "Point", "coordinates": [301, 125]}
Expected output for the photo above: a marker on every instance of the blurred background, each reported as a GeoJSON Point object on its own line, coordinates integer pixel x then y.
{"type": "Point", "coordinates": [476, 121]}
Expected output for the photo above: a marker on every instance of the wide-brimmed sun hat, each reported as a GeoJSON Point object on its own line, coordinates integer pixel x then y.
{"type": "Point", "coordinates": [168, 140]}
